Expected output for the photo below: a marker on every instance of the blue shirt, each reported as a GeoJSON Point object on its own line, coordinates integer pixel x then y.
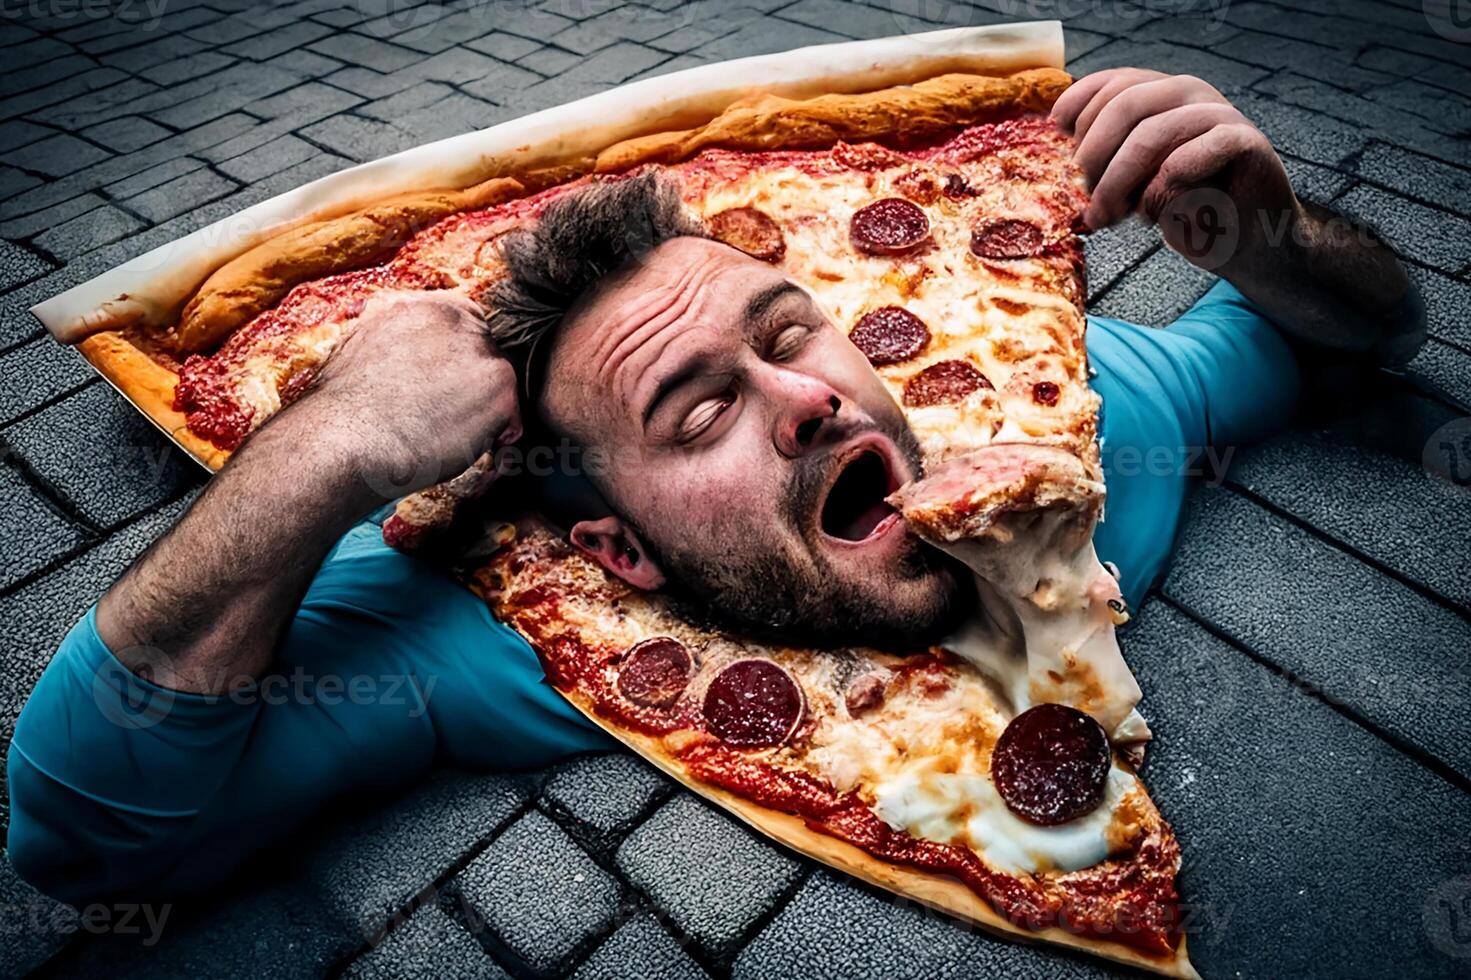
{"type": "Point", "coordinates": [119, 786]}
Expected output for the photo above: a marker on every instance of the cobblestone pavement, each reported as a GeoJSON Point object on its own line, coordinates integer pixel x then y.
{"type": "Point", "coordinates": [1304, 664]}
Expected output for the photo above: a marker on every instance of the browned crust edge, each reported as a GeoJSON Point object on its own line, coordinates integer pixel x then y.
{"type": "Point", "coordinates": [934, 891]}
{"type": "Point", "coordinates": [150, 386]}
{"type": "Point", "coordinates": [257, 279]}
{"type": "Point", "coordinates": [904, 114]}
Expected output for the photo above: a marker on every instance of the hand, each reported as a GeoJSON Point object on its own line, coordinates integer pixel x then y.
{"type": "Point", "coordinates": [1173, 148]}
{"type": "Point", "coordinates": [415, 395]}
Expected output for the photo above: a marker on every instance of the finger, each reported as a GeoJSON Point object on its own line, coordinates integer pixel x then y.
{"type": "Point", "coordinates": [1065, 110]}
{"type": "Point", "coordinates": [1128, 108]}
{"type": "Point", "coordinates": [1140, 157]}
{"type": "Point", "coordinates": [1117, 85]}
{"type": "Point", "coordinates": [1196, 161]}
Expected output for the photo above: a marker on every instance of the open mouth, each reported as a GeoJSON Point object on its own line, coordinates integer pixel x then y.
{"type": "Point", "coordinates": [855, 508]}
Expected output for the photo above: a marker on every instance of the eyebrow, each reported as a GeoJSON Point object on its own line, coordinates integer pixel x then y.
{"type": "Point", "coordinates": [756, 308]}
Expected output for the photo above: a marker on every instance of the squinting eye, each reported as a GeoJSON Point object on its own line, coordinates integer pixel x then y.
{"type": "Point", "coordinates": [704, 416]}
{"type": "Point", "coordinates": [788, 343]}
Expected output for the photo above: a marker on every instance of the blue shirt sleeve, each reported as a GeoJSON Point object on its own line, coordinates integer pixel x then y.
{"type": "Point", "coordinates": [1218, 378]}
{"type": "Point", "coordinates": [119, 786]}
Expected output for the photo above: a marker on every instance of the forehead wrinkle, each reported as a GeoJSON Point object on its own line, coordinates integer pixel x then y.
{"type": "Point", "coordinates": [687, 295]}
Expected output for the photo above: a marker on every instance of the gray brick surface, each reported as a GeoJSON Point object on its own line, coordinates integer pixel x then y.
{"type": "Point", "coordinates": [34, 534]}
{"type": "Point", "coordinates": [87, 231]}
{"type": "Point", "coordinates": [180, 195]}
{"type": "Point", "coordinates": [1310, 609]}
{"type": "Point", "coordinates": [36, 926]}
{"type": "Point", "coordinates": [1417, 175]}
{"type": "Point", "coordinates": [18, 265]}
{"type": "Point", "coordinates": [835, 929]}
{"type": "Point", "coordinates": [1310, 848]}
{"type": "Point", "coordinates": [1157, 291]}
{"type": "Point", "coordinates": [56, 156]}
{"type": "Point", "coordinates": [1402, 516]}
{"type": "Point", "coordinates": [539, 894]}
{"type": "Point", "coordinates": [1446, 369]}
{"type": "Point", "coordinates": [710, 875]}
{"type": "Point", "coordinates": [104, 458]}
{"type": "Point", "coordinates": [1424, 234]}
{"type": "Point", "coordinates": [606, 792]}
{"type": "Point", "coordinates": [35, 373]}
{"type": "Point", "coordinates": [370, 868]}
{"type": "Point", "coordinates": [429, 946]}
{"type": "Point", "coordinates": [640, 948]}
{"type": "Point", "coordinates": [125, 135]}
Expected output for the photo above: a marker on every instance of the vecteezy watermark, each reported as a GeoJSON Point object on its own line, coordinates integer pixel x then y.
{"type": "Point", "coordinates": [911, 16]}
{"type": "Point", "coordinates": [1447, 452]}
{"type": "Point", "coordinates": [41, 917]}
{"type": "Point", "coordinates": [1451, 19]}
{"type": "Point", "coordinates": [144, 14]}
{"type": "Point", "coordinates": [1446, 916]}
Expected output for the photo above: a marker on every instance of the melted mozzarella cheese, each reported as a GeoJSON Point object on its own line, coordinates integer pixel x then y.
{"type": "Point", "coordinates": [966, 808]}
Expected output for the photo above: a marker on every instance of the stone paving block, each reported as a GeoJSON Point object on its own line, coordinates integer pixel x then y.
{"type": "Point", "coordinates": [1227, 75]}
{"type": "Point", "coordinates": [268, 158]}
{"type": "Point", "coordinates": [607, 792]}
{"type": "Point", "coordinates": [366, 51]}
{"type": "Point", "coordinates": [188, 68]}
{"type": "Point", "coordinates": [1310, 847]}
{"type": "Point", "coordinates": [834, 929]}
{"type": "Point", "coordinates": [1403, 516]}
{"type": "Point", "coordinates": [35, 102]}
{"type": "Point", "coordinates": [534, 23]}
{"type": "Point", "coordinates": [35, 926]}
{"type": "Point", "coordinates": [51, 217]}
{"type": "Point", "coordinates": [459, 66]}
{"type": "Point", "coordinates": [272, 43]}
{"type": "Point", "coordinates": [13, 181]}
{"type": "Point", "coordinates": [765, 37]}
{"type": "Point", "coordinates": [539, 894]}
{"type": "Point", "coordinates": [1301, 132]}
{"type": "Point", "coordinates": [35, 618]}
{"type": "Point", "coordinates": [399, 21]}
{"type": "Point", "coordinates": [157, 51]}
{"type": "Point", "coordinates": [152, 177]}
{"type": "Point", "coordinates": [1424, 234]}
{"type": "Point", "coordinates": [640, 948]}
{"type": "Point", "coordinates": [87, 231]}
{"type": "Point", "coordinates": [1430, 103]}
{"type": "Point", "coordinates": [357, 138]}
{"type": "Point", "coordinates": [1371, 117]}
{"type": "Point", "coordinates": [549, 61]}
{"type": "Point", "coordinates": [105, 458]}
{"type": "Point", "coordinates": [455, 28]}
{"type": "Point", "coordinates": [1313, 182]}
{"type": "Point", "coordinates": [17, 133]}
{"type": "Point", "coordinates": [303, 104]}
{"type": "Point", "coordinates": [1310, 608]}
{"type": "Point", "coordinates": [502, 46]}
{"type": "Point", "coordinates": [713, 877]}
{"type": "Point", "coordinates": [1446, 369]}
{"type": "Point", "coordinates": [1155, 292]}
{"type": "Point", "coordinates": [37, 372]}
{"type": "Point", "coordinates": [429, 946]}
{"type": "Point", "coordinates": [55, 157]}
{"type": "Point", "coordinates": [1417, 175]}
{"type": "Point", "coordinates": [238, 86]}
{"type": "Point", "coordinates": [18, 265]}
{"type": "Point", "coordinates": [1109, 253]}
{"type": "Point", "coordinates": [126, 134]}
{"type": "Point", "coordinates": [1447, 305]}
{"type": "Point", "coordinates": [180, 195]}
{"type": "Point", "coordinates": [306, 63]}
{"type": "Point", "coordinates": [625, 23]}
{"type": "Point", "coordinates": [854, 20]}
{"type": "Point", "coordinates": [366, 870]}
{"type": "Point", "coordinates": [34, 533]}
{"type": "Point", "coordinates": [403, 104]}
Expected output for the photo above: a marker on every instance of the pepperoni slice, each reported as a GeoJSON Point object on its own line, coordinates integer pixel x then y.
{"type": "Point", "coordinates": [753, 704]}
{"type": "Point", "coordinates": [655, 672]}
{"type": "Point", "coordinates": [892, 226]}
{"type": "Point", "coordinates": [752, 231]}
{"type": "Point", "coordinates": [866, 156]}
{"type": "Point", "coordinates": [1045, 393]}
{"type": "Point", "coordinates": [1051, 764]}
{"type": "Point", "coordinates": [1007, 239]}
{"type": "Point", "coordinates": [889, 334]}
{"type": "Point", "coordinates": [943, 383]}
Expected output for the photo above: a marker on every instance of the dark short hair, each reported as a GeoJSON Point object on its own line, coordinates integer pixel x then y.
{"type": "Point", "coordinates": [580, 239]}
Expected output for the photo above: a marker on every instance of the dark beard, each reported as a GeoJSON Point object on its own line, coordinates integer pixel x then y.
{"type": "Point", "coordinates": [756, 594]}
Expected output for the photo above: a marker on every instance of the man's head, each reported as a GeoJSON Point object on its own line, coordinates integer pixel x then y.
{"type": "Point", "coordinates": [745, 445]}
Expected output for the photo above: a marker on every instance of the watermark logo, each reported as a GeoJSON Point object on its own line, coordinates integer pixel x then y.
{"type": "Point", "coordinates": [127, 695]}
{"type": "Point", "coordinates": [1447, 453]}
{"type": "Point", "coordinates": [1451, 19]}
{"type": "Point", "coordinates": [1203, 225]}
{"type": "Point", "coordinates": [1447, 917]}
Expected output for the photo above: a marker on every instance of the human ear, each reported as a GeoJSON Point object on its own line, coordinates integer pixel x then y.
{"type": "Point", "coordinates": [612, 544]}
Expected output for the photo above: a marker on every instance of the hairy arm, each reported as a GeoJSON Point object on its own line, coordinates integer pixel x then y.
{"type": "Point", "coordinates": [416, 394]}
{"type": "Point", "coordinates": [1175, 150]}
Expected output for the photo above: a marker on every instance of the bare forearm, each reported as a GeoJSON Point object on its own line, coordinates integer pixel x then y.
{"type": "Point", "coordinates": [207, 605]}
{"type": "Point", "coordinates": [1326, 279]}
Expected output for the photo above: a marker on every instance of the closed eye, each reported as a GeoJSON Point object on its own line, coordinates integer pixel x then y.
{"type": "Point", "coordinates": [704, 415]}
{"type": "Point", "coordinates": [788, 342]}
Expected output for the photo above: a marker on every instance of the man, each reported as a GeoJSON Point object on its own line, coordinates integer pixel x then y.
{"type": "Point", "coordinates": [720, 398]}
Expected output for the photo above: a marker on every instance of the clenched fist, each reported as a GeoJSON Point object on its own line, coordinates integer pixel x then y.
{"type": "Point", "coordinates": [416, 395]}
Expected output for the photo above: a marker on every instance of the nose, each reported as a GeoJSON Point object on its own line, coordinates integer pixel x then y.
{"type": "Point", "coordinates": [807, 420]}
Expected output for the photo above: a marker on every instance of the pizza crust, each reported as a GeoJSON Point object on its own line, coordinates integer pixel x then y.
{"type": "Point", "coordinates": [935, 891]}
{"type": "Point", "coordinates": [150, 387]}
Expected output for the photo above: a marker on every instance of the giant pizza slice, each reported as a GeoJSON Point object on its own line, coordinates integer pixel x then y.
{"type": "Point", "coordinates": [936, 224]}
